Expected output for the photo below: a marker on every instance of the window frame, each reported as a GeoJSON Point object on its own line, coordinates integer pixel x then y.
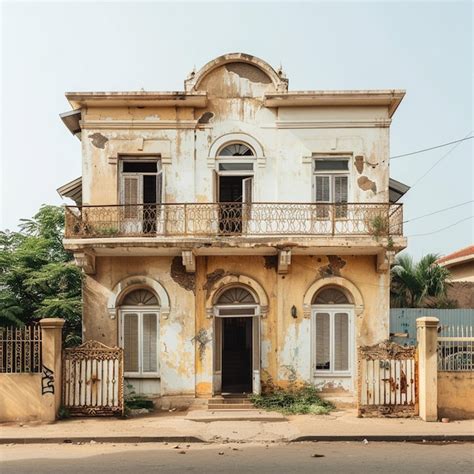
{"type": "Point", "coordinates": [139, 175]}
{"type": "Point", "coordinates": [249, 159]}
{"type": "Point", "coordinates": [331, 174]}
{"type": "Point", "coordinates": [332, 310]}
{"type": "Point", "coordinates": [140, 311]}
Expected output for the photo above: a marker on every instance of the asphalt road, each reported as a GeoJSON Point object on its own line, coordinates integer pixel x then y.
{"type": "Point", "coordinates": [238, 458]}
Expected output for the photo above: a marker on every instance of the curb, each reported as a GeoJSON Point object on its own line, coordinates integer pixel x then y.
{"type": "Point", "coordinates": [386, 438]}
{"type": "Point", "coordinates": [103, 439]}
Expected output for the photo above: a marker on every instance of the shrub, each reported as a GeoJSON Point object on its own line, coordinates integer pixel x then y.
{"type": "Point", "coordinates": [293, 401]}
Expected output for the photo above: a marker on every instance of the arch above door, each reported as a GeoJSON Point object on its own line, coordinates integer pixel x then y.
{"type": "Point", "coordinates": [230, 281]}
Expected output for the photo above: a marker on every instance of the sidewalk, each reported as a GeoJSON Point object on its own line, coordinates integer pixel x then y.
{"type": "Point", "coordinates": [175, 427]}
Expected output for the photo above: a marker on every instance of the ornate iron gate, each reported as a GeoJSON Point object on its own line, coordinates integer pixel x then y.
{"type": "Point", "coordinates": [387, 380]}
{"type": "Point", "coordinates": [93, 379]}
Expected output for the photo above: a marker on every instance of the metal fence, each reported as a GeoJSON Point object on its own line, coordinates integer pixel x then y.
{"type": "Point", "coordinates": [234, 219]}
{"type": "Point", "coordinates": [456, 348]}
{"type": "Point", "coordinates": [20, 349]}
{"type": "Point", "coordinates": [403, 321]}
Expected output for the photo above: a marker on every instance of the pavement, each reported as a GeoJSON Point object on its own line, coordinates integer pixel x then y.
{"type": "Point", "coordinates": [180, 427]}
{"type": "Point", "coordinates": [274, 458]}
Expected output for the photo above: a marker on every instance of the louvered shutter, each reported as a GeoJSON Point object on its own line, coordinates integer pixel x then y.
{"type": "Point", "coordinates": [131, 196]}
{"type": "Point", "coordinates": [130, 342]}
{"type": "Point", "coordinates": [150, 342]}
{"type": "Point", "coordinates": [322, 189]}
{"type": "Point", "coordinates": [341, 341]}
{"type": "Point", "coordinates": [340, 189]}
{"type": "Point", "coordinates": [323, 341]}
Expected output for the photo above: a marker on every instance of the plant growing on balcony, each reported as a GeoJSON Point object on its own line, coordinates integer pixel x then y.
{"type": "Point", "coordinates": [378, 226]}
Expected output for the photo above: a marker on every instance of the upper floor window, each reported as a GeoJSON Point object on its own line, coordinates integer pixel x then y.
{"type": "Point", "coordinates": [140, 181]}
{"type": "Point", "coordinates": [331, 179]}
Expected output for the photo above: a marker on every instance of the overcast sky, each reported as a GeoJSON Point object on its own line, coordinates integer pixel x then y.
{"type": "Point", "coordinates": [423, 47]}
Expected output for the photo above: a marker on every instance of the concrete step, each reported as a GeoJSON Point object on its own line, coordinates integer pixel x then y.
{"type": "Point", "coordinates": [228, 401]}
{"type": "Point", "coordinates": [231, 406]}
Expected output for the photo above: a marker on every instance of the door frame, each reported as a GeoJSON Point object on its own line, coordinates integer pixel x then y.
{"type": "Point", "coordinates": [248, 311]}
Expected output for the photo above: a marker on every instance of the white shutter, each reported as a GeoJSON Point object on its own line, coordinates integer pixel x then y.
{"type": "Point", "coordinates": [323, 341]}
{"type": "Point", "coordinates": [322, 189]}
{"type": "Point", "coordinates": [341, 341]}
{"type": "Point", "coordinates": [340, 189]}
{"type": "Point", "coordinates": [159, 188]}
{"type": "Point", "coordinates": [149, 342]}
{"type": "Point", "coordinates": [130, 342]}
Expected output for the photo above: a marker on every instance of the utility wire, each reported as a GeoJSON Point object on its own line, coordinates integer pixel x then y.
{"type": "Point", "coordinates": [439, 161]}
{"type": "Point", "coordinates": [443, 228]}
{"type": "Point", "coordinates": [432, 148]}
{"type": "Point", "coordinates": [437, 212]}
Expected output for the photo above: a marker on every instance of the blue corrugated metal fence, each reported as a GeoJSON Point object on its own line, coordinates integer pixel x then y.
{"type": "Point", "coordinates": [403, 320]}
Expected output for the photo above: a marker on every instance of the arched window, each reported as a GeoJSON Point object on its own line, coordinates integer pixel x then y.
{"type": "Point", "coordinates": [330, 295]}
{"type": "Point", "coordinates": [141, 297]}
{"type": "Point", "coordinates": [139, 333]}
{"type": "Point", "coordinates": [236, 149]}
{"type": "Point", "coordinates": [332, 331]}
{"type": "Point", "coordinates": [236, 295]}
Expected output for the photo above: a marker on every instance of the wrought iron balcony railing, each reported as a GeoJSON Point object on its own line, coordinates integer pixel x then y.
{"type": "Point", "coordinates": [234, 219]}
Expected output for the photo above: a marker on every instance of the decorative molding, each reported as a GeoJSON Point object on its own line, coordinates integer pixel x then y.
{"type": "Point", "coordinates": [236, 137]}
{"type": "Point", "coordinates": [284, 261]}
{"type": "Point", "coordinates": [138, 124]}
{"type": "Point", "coordinates": [86, 261]}
{"type": "Point", "coordinates": [232, 280]}
{"type": "Point", "coordinates": [138, 147]}
{"type": "Point", "coordinates": [311, 124]}
{"type": "Point", "coordinates": [133, 282]}
{"type": "Point", "coordinates": [189, 260]}
{"type": "Point", "coordinates": [358, 301]}
{"type": "Point", "coordinates": [385, 260]}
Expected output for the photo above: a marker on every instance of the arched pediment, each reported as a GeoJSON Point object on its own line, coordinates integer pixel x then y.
{"type": "Point", "coordinates": [250, 67]}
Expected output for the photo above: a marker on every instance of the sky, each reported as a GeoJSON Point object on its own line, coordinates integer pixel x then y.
{"type": "Point", "coordinates": [424, 47]}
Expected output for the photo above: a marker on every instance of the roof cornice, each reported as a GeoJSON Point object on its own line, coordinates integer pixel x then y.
{"type": "Point", "coordinates": [387, 98]}
{"type": "Point", "coordinates": [137, 98]}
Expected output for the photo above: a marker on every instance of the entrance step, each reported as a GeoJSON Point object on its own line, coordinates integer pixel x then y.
{"type": "Point", "coordinates": [207, 416]}
{"type": "Point", "coordinates": [233, 402]}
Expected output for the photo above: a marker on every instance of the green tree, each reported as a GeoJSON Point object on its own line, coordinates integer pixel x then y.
{"type": "Point", "coordinates": [414, 283]}
{"type": "Point", "coordinates": [38, 278]}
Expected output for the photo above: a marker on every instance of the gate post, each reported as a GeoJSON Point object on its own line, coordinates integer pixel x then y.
{"type": "Point", "coordinates": [427, 338]}
{"type": "Point", "coordinates": [51, 365]}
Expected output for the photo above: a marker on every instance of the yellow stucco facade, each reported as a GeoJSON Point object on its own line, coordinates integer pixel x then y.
{"type": "Point", "coordinates": [286, 246]}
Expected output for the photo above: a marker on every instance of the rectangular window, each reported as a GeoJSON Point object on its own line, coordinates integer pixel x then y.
{"type": "Point", "coordinates": [331, 185]}
{"type": "Point", "coordinates": [140, 341]}
{"type": "Point", "coordinates": [332, 329]}
{"type": "Point", "coordinates": [235, 166]}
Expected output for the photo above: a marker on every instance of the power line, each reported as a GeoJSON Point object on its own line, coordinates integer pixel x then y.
{"type": "Point", "coordinates": [432, 148]}
{"type": "Point", "coordinates": [437, 212]}
{"type": "Point", "coordinates": [439, 161]}
{"type": "Point", "coordinates": [443, 228]}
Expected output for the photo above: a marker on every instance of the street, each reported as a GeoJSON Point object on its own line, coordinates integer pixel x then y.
{"type": "Point", "coordinates": [237, 458]}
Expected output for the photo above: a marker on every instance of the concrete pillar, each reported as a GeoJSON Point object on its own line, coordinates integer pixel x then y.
{"type": "Point", "coordinates": [427, 338]}
{"type": "Point", "coordinates": [51, 370]}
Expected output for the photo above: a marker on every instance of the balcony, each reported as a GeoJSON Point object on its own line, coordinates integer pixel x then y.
{"type": "Point", "coordinates": [231, 221]}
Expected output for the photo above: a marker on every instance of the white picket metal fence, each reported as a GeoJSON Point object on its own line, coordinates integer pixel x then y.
{"type": "Point", "coordinates": [456, 348]}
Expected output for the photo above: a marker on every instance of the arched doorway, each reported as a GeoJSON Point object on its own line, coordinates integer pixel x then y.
{"type": "Point", "coordinates": [236, 341]}
{"type": "Point", "coordinates": [235, 171]}
{"type": "Point", "coordinates": [139, 333]}
{"type": "Point", "coordinates": [332, 310]}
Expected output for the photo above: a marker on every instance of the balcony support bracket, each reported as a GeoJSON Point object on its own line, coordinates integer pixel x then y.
{"type": "Point", "coordinates": [384, 260]}
{"type": "Point", "coordinates": [189, 260]}
{"type": "Point", "coordinates": [284, 261]}
{"type": "Point", "coordinates": [86, 261]}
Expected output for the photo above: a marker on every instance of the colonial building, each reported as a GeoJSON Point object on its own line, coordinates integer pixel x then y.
{"type": "Point", "coordinates": [235, 234]}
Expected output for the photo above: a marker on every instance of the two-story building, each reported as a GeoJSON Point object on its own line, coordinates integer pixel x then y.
{"type": "Point", "coordinates": [235, 234]}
